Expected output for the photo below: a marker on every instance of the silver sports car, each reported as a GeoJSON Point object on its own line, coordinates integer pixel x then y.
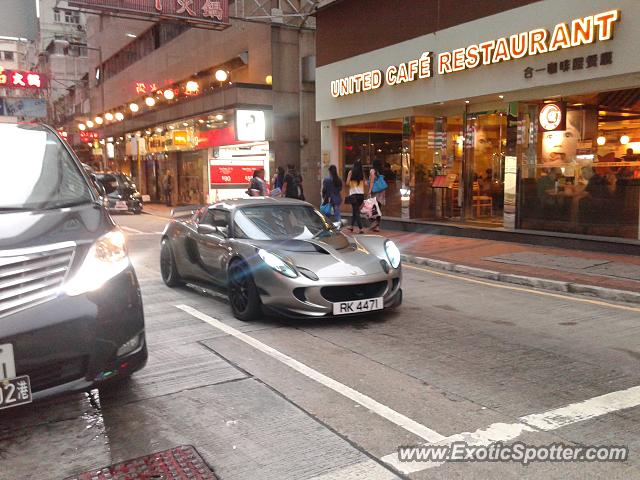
{"type": "Point", "coordinates": [281, 256]}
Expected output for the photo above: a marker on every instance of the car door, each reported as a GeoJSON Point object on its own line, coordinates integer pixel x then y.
{"type": "Point", "coordinates": [212, 243]}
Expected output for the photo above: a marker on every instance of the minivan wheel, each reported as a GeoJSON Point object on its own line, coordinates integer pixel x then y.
{"type": "Point", "coordinates": [243, 293]}
{"type": "Point", "coordinates": [168, 268]}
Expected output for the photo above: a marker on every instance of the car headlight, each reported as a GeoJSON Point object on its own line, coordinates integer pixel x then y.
{"type": "Point", "coordinates": [106, 258]}
{"type": "Point", "coordinates": [393, 253]}
{"type": "Point", "coordinates": [277, 264]}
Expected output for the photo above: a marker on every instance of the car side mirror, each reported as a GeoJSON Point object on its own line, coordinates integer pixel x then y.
{"type": "Point", "coordinates": [96, 183]}
{"type": "Point", "coordinates": [206, 229]}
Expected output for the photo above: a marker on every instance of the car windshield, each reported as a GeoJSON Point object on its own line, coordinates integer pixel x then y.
{"type": "Point", "coordinates": [37, 172]}
{"type": "Point", "coordinates": [281, 222]}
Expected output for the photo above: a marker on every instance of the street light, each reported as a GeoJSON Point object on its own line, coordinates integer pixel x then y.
{"type": "Point", "coordinates": [89, 124]}
{"type": "Point", "coordinates": [99, 120]}
{"type": "Point", "coordinates": [108, 117]}
{"type": "Point", "coordinates": [119, 116]}
{"type": "Point", "coordinates": [168, 94]}
{"type": "Point", "coordinates": [150, 101]}
{"type": "Point", "coordinates": [134, 107]}
{"type": "Point", "coordinates": [82, 127]}
{"type": "Point", "coordinates": [221, 75]}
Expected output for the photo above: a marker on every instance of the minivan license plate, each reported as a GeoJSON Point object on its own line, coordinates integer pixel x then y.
{"type": "Point", "coordinates": [15, 391]}
{"type": "Point", "coordinates": [358, 306]}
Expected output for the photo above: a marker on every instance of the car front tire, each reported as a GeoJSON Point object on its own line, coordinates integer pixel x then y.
{"type": "Point", "coordinates": [243, 293]}
{"type": "Point", "coordinates": [168, 269]}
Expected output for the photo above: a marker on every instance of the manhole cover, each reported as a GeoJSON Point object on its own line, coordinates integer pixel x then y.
{"type": "Point", "coordinates": [179, 463]}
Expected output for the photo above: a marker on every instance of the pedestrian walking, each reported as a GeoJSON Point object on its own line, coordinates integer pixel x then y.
{"type": "Point", "coordinates": [278, 182]}
{"type": "Point", "coordinates": [331, 191]}
{"type": "Point", "coordinates": [355, 182]}
{"type": "Point", "coordinates": [377, 189]}
{"type": "Point", "coordinates": [292, 186]}
{"type": "Point", "coordinates": [258, 186]}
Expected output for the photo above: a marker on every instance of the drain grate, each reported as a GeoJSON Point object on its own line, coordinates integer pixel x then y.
{"type": "Point", "coordinates": [179, 463]}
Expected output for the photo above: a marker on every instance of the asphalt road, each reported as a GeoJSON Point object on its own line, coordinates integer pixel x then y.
{"type": "Point", "coordinates": [463, 359]}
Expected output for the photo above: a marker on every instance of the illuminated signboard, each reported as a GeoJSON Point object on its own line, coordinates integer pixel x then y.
{"type": "Point", "coordinates": [204, 13]}
{"type": "Point", "coordinates": [553, 117]}
{"type": "Point", "coordinates": [21, 79]}
{"type": "Point", "coordinates": [580, 31]}
{"type": "Point", "coordinates": [250, 125]}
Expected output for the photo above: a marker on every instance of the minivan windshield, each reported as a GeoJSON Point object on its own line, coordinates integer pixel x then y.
{"type": "Point", "coordinates": [37, 172]}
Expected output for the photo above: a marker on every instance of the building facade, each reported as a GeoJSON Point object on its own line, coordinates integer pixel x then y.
{"type": "Point", "coordinates": [62, 57]}
{"type": "Point", "coordinates": [515, 114]}
{"type": "Point", "coordinates": [202, 109]}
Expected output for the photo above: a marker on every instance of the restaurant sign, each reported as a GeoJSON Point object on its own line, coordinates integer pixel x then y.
{"type": "Point", "coordinates": [204, 13]}
{"type": "Point", "coordinates": [580, 31]}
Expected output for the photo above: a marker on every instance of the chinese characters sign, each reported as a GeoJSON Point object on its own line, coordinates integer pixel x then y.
{"type": "Point", "coordinates": [21, 79]}
{"type": "Point", "coordinates": [569, 64]}
{"type": "Point", "coordinates": [565, 35]}
{"type": "Point", "coordinates": [205, 13]}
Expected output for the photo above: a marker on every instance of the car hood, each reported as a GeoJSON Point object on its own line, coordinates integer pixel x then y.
{"type": "Point", "coordinates": [81, 224]}
{"type": "Point", "coordinates": [333, 257]}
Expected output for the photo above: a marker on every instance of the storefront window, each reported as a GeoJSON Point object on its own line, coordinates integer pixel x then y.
{"type": "Point", "coordinates": [377, 141]}
{"type": "Point", "coordinates": [585, 178]}
{"type": "Point", "coordinates": [485, 160]}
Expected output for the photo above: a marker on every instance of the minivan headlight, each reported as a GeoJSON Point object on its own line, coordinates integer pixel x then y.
{"type": "Point", "coordinates": [277, 264]}
{"type": "Point", "coordinates": [393, 253]}
{"type": "Point", "coordinates": [106, 258]}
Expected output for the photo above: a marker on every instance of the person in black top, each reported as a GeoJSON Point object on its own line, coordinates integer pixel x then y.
{"type": "Point", "coordinates": [292, 186]}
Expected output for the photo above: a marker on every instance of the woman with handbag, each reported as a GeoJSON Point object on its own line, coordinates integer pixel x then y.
{"type": "Point", "coordinates": [355, 182]}
{"type": "Point", "coordinates": [331, 188]}
{"type": "Point", "coordinates": [377, 189]}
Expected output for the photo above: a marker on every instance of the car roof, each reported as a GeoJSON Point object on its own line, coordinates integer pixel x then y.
{"type": "Point", "coordinates": [256, 202]}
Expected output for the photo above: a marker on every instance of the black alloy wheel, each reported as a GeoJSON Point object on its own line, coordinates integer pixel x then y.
{"type": "Point", "coordinates": [243, 293]}
{"type": "Point", "coordinates": [168, 268]}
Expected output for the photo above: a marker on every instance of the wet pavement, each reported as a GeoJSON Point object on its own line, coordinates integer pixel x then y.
{"type": "Point", "coordinates": [254, 399]}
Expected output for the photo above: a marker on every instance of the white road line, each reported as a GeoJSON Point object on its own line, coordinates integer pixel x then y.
{"type": "Point", "coordinates": [129, 229]}
{"type": "Point", "coordinates": [546, 421]}
{"type": "Point", "coordinates": [348, 392]}
{"type": "Point", "coordinates": [526, 290]}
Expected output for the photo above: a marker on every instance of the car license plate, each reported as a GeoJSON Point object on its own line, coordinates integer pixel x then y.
{"type": "Point", "coordinates": [15, 391]}
{"type": "Point", "coordinates": [7, 363]}
{"type": "Point", "coordinates": [358, 306]}
{"type": "Point", "coordinates": [120, 205]}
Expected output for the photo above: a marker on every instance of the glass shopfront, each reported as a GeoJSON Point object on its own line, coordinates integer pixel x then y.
{"type": "Point", "coordinates": [582, 176]}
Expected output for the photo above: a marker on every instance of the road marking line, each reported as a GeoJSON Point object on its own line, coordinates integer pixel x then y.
{"type": "Point", "coordinates": [526, 290]}
{"type": "Point", "coordinates": [129, 229]}
{"type": "Point", "coordinates": [368, 402]}
{"type": "Point", "coordinates": [537, 422]}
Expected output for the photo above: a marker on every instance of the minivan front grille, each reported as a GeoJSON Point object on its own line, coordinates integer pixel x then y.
{"type": "Point", "coordinates": [32, 276]}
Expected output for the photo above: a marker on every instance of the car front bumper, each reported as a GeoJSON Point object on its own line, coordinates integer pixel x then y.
{"type": "Point", "coordinates": [71, 342]}
{"type": "Point", "coordinates": [303, 297]}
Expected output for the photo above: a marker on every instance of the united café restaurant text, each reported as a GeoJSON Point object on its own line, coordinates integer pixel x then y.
{"type": "Point", "coordinates": [566, 162]}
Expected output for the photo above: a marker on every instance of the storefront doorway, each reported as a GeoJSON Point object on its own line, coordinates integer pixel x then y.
{"type": "Point", "coordinates": [484, 167]}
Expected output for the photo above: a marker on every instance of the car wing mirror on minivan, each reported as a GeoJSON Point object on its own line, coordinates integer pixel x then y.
{"type": "Point", "coordinates": [96, 183]}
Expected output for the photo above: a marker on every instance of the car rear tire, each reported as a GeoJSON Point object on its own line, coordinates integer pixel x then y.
{"type": "Point", "coordinates": [168, 269]}
{"type": "Point", "coordinates": [243, 293]}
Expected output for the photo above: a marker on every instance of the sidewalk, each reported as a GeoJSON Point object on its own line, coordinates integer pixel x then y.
{"type": "Point", "coordinates": [157, 209]}
{"type": "Point", "coordinates": [610, 276]}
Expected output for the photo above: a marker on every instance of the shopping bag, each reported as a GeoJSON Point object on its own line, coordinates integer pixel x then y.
{"type": "Point", "coordinates": [379, 184]}
{"type": "Point", "coordinates": [326, 209]}
{"type": "Point", "coordinates": [370, 208]}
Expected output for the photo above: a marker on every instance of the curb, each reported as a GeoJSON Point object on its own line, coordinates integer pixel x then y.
{"type": "Point", "coordinates": [535, 282]}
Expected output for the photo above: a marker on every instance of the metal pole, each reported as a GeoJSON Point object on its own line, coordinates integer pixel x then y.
{"type": "Point", "coordinates": [104, 150]}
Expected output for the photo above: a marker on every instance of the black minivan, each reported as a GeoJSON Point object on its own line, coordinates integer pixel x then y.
{"type": "Point", "coordinates": [70, 306]}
